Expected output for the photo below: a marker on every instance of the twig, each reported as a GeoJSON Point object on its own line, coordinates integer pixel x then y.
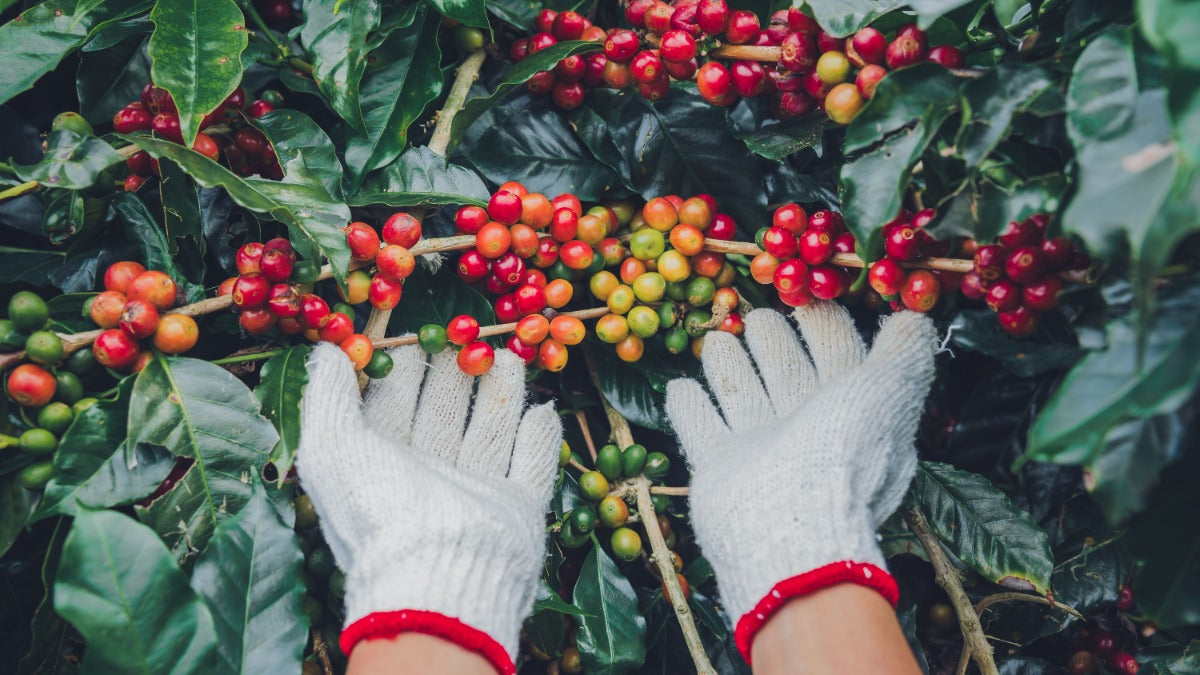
{"type": "Point", "coordinates": [772, 54]}
{"type": "Point", "coordinates": [669, 491]}
{"type": "Point", "coordinates": [488, 331]}
{"type": "Point", "coordinates": [322, 651]}
{"type": "Point", "coordinates": [249, 10]}
{"type": "Point", "coordinates": [984, 604]}
{"type": "Point", "coordinates": [660, 554]}
{"type": "Point", "coordinates": [577, 466]}
{"type": "Point", "coordinates": [947, 577]}
{"type": "Point", "coordinates": [587, 433]}
{"type": "Point", "coordinates": [377, 322]}
{"type": "Point", "coordinates": [18, 190]}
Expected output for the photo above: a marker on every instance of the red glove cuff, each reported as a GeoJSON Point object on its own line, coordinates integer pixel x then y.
{"type": "Point", "coordinates": [845, 571]}
{"type": "Point", "coordinates": [387, 625]}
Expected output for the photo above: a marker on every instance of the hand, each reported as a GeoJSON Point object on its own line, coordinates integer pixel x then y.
{"type": "Point", "coordinates": [436, 519]}
{"type": "Point", "coordinates": [811, 451]}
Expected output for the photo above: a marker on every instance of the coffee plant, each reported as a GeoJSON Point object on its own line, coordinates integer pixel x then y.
{"type": "Point", "coordinates": [193, 193]}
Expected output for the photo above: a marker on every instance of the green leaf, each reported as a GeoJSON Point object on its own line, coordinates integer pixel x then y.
{"type": "Point", "coordinates": [65, 215]}
{"type": "Point", "coordinates": [118, 585]}
{"type": "Point", "coordinates": [1102, 95]}
{"type": "Point", "coordinates": [195, 409]}
{"type": "Point", "coordinates": [419, 177]}
{"type": "Point", "coordinates": [892, 132]}
{"type": "Point", "coordinates": [405, 77]}
{"type": "Point", "coordinates": [528, 141]}
{"type": "Point", "coordinates": [545, 59]}
{"type": "Point", "coordinates": [107, 80]}
{"type": "Point", "coordinates": [39, 38]}
{"type": "Point", "coordinates": [279, 390]}
{"type": "Point", "coordinates": [1166, 540]}
{"type": "Point", "coordinates": [196, 55]}
{"type": "Point", "coordinates": [979, 331]}
{"type": "Point", "coordinates": [437, 298]}
{"type": "Point", "coordinates": [16, 504]}
{"type": "Point", "coordinates": [90, 467]}
{"type": "Point", "coordinates": [49, 651]}
{"type": "Point", "coordinates": [991, 102]}
{"type": "Point", "coordinates": [1111, 385]}
{"type": "Point", "coordinates": [295, 135]}
{"type": "Point", "coordinates": [627, 388]}
{"type": "Point", "coordinates": [776, 141]}
{"type": "Point", "coordinates": [181, 208]}
{"type": "Point", "coordinates": [250, 578]}
{"type": "Point", "coordinates": [28, 265]}
{"type": "Point", "coordinates": [470, 12]}
{"type": "Point", "coordinates": [141, 229]}
{"type": "Point", "coordinates": [981, 527]}
{"type": "Point", "coordinates": [71, 161]}
{"type": "Point", "coordinates": [336, 44]}
{"type": "Point", "coordinates": [1123, 475]}
{"type": "Point", "coordinates": [300, 201]}
{"type": "Point", "coordinates": [843, 17]}
{"type": "Point", "coordinates": [548, 600]}
{"type": "Point", "coordinates": [612, 633]}
{"type": "Point", "coordinates": [1170, 25]}
{"type": "Point", "coordinates": [1170, 659]}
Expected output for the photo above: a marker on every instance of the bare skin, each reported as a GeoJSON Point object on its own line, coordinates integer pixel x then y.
{"type": "Point", "coordinates": [842, 629]}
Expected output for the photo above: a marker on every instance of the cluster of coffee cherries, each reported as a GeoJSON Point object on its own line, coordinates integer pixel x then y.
{"type": "Point", "coordinates": [1094, 644]}
{"type": "Point", "coordinates": [669, 41]}
{"type": "Point", "coordinates": [607, 508]}
{"type": "Point", "coordinates": [905, 239]}
{"type": "Point", "coordinates": [47, 386]}
{"type": "Point", "coordinates": [132, 308]}
{"type": "Point", "coordinates": [531, 250]}
{"type": "Point", "coordinates": [244, 148]}
{"type": "Point", "coordinates": [797, 250]}
{"type": "Point", "coordinates": [273, 290]}
{"type": "Point", "coordinates": [1018, 276]}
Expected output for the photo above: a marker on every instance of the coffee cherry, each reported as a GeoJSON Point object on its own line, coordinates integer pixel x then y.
{"type": "Point", "coordinates": [314, 311]}
{"type": "Point", "coordinates": [678, 46]}
{"type": "Point", "coordinates": [920, 291]}
{"type": "Point", "coordinates": [166, 125]}
{"type": "Point", "coordinates": [1019, 234]}
{"type": "Point", "coordinates": [593, 486]}
{"type": "Point", "coordinates": [1082, 663]}
{"type": "Point", "coordinates": [472, 267]}
{"type": "Point", "coordinates": [462, 329]}
{"type": "Point", "coordinates": [577, 255]}
{"type": "Point", "coordinates": [815, 247]}
{"type": "Point", "coordinates": [337, 329]}
{"type": "Point", "coordinates": [33, 386]}
{"type": "Point", "coordinates": [363, 241]}
{"type": "Point", "coordinates": [973, 286]}
{"type": "Point", "coordinates": [176, 334]}
{"type": "Point", "coordinates": [712, 16]}
{"type": "Point", "coordinates": [469, 219]}
{"type": "Point", "coordinates": [833, 67]}
{"type": "Point", "coordinates": [621, 46]}
{"type": "Point", "coordinates": [866, 47]}
{"type": "Point", "coordinates": [617, 75]}
{"type": "Point", "coordinates": [493, 240]}
{"type": "Point", "coordinates": [1042, 295]}
{"type": "Point", "coordinates": [133, 117]}
{"type": "Point", "coordinates": [907, 48]}
{"type": "Point", "coordinates": [626, 544]}
{"type": "Point", "coordinates": [826, 282]}
{"type": "Point", "coordinates": [139, 319]}
{"type": "Point", "coordinates": [990, 262]}
{"type": "Point", "coordinates": [105, 309]}
{"type": "Point", "coordinates": [402, 229]}
{"type": "Point", "coordinates": [742, 27]}
{"type": "Point", "coordinates": [902, 243]}
{"type": "Point", "coordinates": [118, 276]}
{"type": "Point", "coordinates": [1104, 643]}
{"type": "Point", "coordinates": [779, 242]}
{"type": "Point", "coordinates": [762, 268]}
{"type": "Point", "coordinates": [797, 53]}
{"type": "Point", "coordinates": [946, 55]}
{"type": "Point", "coordinates": [748, 78]}
{"type": "Point", "coordinates": [715, 84]}
{"type": "Point", "coordinates": [1025, 265]}
{"type": "Point", "coordinates": [790, 276]}
{"type": "Point", "coordinates": [1058, 252]}
{"type": "Point", "coordinates": [1019, 322]}
{"type": "Point", "coordinates": [529, 299]}
{"type": "Point", "coordinates": [476, 358]}
{"type": "Point", "coordinates": [886, 276]}
{"type": "Point", "coordinates": [251, 290]}
{"type": "Point", "coordinates": [504, 207]}
{"type": "Point", "coordinates": [1003, 296]}
{"type": "Point", "coordinates": [113, 349]}
{"type": "Point", "coordinates": [1125, 599]}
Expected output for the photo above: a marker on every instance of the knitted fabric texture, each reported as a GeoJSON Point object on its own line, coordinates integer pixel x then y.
{"type": "Point", "coordinates": [427, 503]}
{"type": "Point", "coordinates": [812, 447]}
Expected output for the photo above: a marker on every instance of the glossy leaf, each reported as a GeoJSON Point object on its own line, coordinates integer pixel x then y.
{"type": "Point", "coordinates": [405, 77]}
{"type": "Point", "coordinates": [979, 525]}
{"type": "Point", "coordinates": [65, 215]}
{"type": "Point", "coordinates": [180, 208]}
{"type": "Point", "coordinates": [991, 103]}
{"type": "Point", "coordinates": [419, 177]}
{"type": "Point", "coordinates": [1166, 540]}
{"type": "Point", "coordinates": [107, 80]}
{"type": "Point", "coordinates": [612, 633]}
{"type": "Point", "coordinates": [196, 55]}
{"type": "Point", "coordinates": [542, 60]}
{"type": "Point", "coordinates": [470, 12]}
{"type": "Point", "coordinates": [90, 467]}
{"type": "Point", "coordinates": [628, 389]}
{"type": "Point", "coordinates": [295, 136]}
{"type": "Point", "coordinates": [334, 34]}
{"type": "Point", "coordinates": [1111, 385]}
{"type": "Point", "coordinates": [1102, 96]}
{"type": "Point", "coordinates": [526, 140]}
{"type": "Point", "coordinates": [50, 649]}
{"type": "Point", "coordinates": [280, 388]}
{"type": "Point", "coordinates": [1170, 26]}
{"type": "Point", "coordinates": [39, 38]}
{"type": "Point", "coordinates": [250, 578]}
{"type": "Point", "coordinates": [843, 17]}
{"type": "Point", "coordinates": [16, 504]}
{"type": "Point", "coordinates": [141, 229]}
{"type": "Point", "coordinates": [118, 585]}
{"type": "Point", "coordinates": [978, 330]}
{"type": "Point", "coordinates": [776, 141]}
{"type": "Point", "coordinates": [890, 145]}
{"type": "Point", "coordinates": [71, 161]}
{"type": "Point", "coordinates": [1123, 475]}
{"type": "Point", "coordinates": [300, 201]}
{"type": "Point", "coordinates": [198, 410]}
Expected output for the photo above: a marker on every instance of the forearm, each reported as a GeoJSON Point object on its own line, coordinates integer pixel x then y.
{"type": "Point", "coordinates": [416, 654]}
{"type": "Point", "coordinates": [841, 629]}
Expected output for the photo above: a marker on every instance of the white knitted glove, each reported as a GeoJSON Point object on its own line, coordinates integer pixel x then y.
{"type": "Point", "coordinates": [438, 521]}
{"type": "Point", "coordinates": [811, 451]}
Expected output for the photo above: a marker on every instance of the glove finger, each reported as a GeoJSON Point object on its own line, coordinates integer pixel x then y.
{"type": "Point", "coordinates": [786, 370]}
{"type": "Point", "coordinates": [832, 340]}
{"type": "Point", "coordinates": [390, 403]}
{"type": "Point", "coordinates": [902, 466]}
{"type": "Point", "coordinates": [694, 417]}
{"type": "Point", "coordinates": [731, 377]}
{"type": "Point", "coordinates": [442, 412]}
{"type": "Point", "coordinates": [488, 443]}
{"type": "Point", "coordinates": [535, 454]}
{"type": "Point", "coordinates": [331, 406]}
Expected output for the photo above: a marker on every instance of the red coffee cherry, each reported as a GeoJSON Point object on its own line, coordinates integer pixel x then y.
{"type": "Point", "coordinates": [677, 45]}
{"type": "Point", "coordinates": [743, 26]}
{"type": "Point", "coordinates": [314, 311]}
{"type": "Point", "coordinates": [363, 241]}
{"type": "Point", "coordinates": [886, 276]}
{"type": "Point", "coordinates": [1025, 265]}
{"type": "Point", "coordinates": [946, 55]}
{"type": "Point", "coordinates": [1019, 322]}
{"type": "Point", "coordinates": [403, 229]}
{"type": "Point", "coordinates": [504, 207]}
{"type": "Point", "coordinates": [1003, 296]}
{"type": "Point", "coordinates": [384, 293]}
{"type": "Point", "coordinates": [973, 286]}
{"type": "Point", "coordinates": [462, 329]}
{"type": "Point", "coordinates": [1042, 295]}
{"type": "Point", "coordinates": [798, 53]}
{"type": "Point", "coordinates": [715, 84]}
{"type": "Point", "coordinates": [867, 46]}
{"type": "Point", "coordinates": [131, 118]}
{"type": "Point", "coordinates": [816, 247]}
{"type": "Point", "coordinates": [792, 218]}
{"type": "Point", "coordinates": [920, 291]}
{"type": "Point", "coordinates": [902, 243]}
{"type": "Point", "coordinates": [827, 282]}
{"type": "Point", "coordinates": [284, 300]}
{"type": "Point", "coordinates": [476, 358]}
{"type": "Point", "coordinates": [748, 77]}
{"type": "Point", "coordinates": [779, 242]}
{"type": "Point", "coordinates": [790, 275]}
{"type": "Point", "coordinates": [990, 261]}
